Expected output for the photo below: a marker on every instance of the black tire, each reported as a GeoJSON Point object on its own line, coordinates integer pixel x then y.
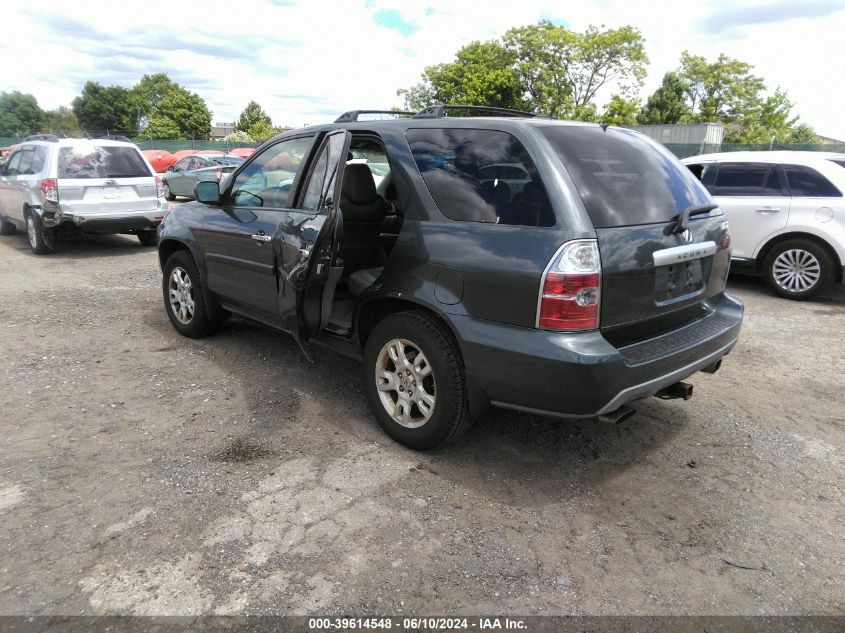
{"type": "Point", "coordinates": [147, 238]}
{"type": "Point", "coordinates": [7, 228]}
{"type": "Point", "coordinates": [40, 241]}
{"type": "Point", "coordinates": [198, 324]}
{"type": "Point", "coordinates": [812, 264]}
{"type": "Point", "coordinates": [168, 195]}
{"type": "Point", "coordinates": [449, 417]}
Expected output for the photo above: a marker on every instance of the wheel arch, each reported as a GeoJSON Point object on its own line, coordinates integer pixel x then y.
{"type": "Point", "coordinates": [376, 310]}
{"type": "Point", "coordinates": [764, 251]}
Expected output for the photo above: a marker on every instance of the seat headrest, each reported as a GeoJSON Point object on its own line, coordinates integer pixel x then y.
{"type": "Point", "coordinates": [358, 184]}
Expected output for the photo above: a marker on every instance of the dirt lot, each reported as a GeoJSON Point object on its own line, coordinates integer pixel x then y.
{"type": "Point", "coordinates": [144, 473]}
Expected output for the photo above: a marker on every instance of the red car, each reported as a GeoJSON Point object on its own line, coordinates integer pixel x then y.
{"type": "Point", "coordinates": [160, 159]}
{"type": "Point", "coordinates": [243, 152]}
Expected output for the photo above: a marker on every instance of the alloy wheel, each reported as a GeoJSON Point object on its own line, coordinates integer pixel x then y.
{"type": "Point", "coordinates": [405, 383]}
{"type": "Point", "coordinates": [31, 232]}
{"type": "Point", "coordinates": [181, 295]}
{"type": "Point", "coordinates": [796, 270]}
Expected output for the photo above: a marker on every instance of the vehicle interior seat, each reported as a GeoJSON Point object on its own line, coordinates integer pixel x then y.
{"type": "Point", "coordinates": [364, 212]}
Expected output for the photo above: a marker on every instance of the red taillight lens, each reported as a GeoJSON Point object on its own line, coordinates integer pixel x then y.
{"type": "Point", "coordinates": [49, 189]}
{"type": "Point", "coordinates": [159, 187]}
{"type": "Point", "coordinates": [569, 297]}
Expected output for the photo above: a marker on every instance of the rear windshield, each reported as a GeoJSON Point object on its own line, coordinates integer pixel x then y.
{"type": "Point", "coordinates": [623, 177]}
{"type": "Point", "coordinates": [97, 161]}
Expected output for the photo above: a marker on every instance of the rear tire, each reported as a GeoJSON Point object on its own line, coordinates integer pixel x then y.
{"type": "Point", "coordinates": [798, 269]}
{"type": "Point", "coordinates": [184, 297]}
{"type": "Point", "coordinates": [7, 228]}
{"type": "Point", "coordinates": [414, 381]}
{"type": "Point", "coordinates": [147, 238]}
{"type": "Point", "coordinates": [39, 240]}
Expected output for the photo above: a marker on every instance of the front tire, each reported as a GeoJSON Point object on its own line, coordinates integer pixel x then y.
{"type": "Point", "coordinates": [798, 269]}
{"type": "Point", "coordinates": [39, 241]}
{"type": "Point", "coordinates": [414, 381]}
{"type": "Point", "coordinates": [168, 195]}
{"type": "Point", "coordinates": [184, 297]}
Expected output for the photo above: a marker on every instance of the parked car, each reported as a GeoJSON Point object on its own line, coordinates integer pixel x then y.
{"type": "Point", "coordinates": [786, 212]}
{"type": "Point", "coordinates": [181, 178]}
{"type": "Point", "coordinates": [243, 152]}
{"type": "Point", "coordinates": [51, 186]}
{"type": "Point", "coordinates": [590, 289]}
{"type": "Point", "coordinates": [5, 152]}
{"type": "Point", "coordinates": [179, 154]}
{"type": "Point", "coordinates": [160, 159]}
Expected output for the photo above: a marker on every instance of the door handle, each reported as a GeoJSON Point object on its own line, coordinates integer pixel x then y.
{"type": "Point", "coordinates": [260, 237]}
{"type": "Point", "coordinates": [767, 210]}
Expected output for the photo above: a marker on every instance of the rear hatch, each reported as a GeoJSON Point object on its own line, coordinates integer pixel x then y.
{"type": "Point", "coordinates": [104, 179]}
{"type": "Point", "coordinates": [654, 276]}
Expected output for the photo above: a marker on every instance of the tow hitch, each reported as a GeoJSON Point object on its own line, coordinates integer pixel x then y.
{"type": "Point", "coordinates": [680, 390]}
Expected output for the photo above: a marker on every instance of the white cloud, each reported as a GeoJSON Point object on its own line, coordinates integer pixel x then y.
{"type": "Point", "coordinates": [308, 61]}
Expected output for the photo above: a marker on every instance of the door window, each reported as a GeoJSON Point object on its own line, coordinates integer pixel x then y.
{"type": "Point", "coordinates": [25, 167]}
{"type": "Point", "coordinates": [268, 180]}
{"type": "Point", "coordinates": [14, 164]}
{"type": "Point", "coordinates": [806, 182]}
{"type": "Point", "coordinates": [481, 176]}
{"type": "Point", "coordinates": [740, 179]}
{"type": "Point", "coordinates": [182, 165]}
{"type": "Point", "coordinates": [322, 177]}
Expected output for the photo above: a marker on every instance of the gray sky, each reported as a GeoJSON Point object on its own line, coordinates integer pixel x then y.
{"type": "Point", "coordinates": [307, 61]}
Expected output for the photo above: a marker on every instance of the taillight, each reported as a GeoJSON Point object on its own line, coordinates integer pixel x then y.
{"type": "Point", "coordinates": [571, 288]}
{"type": "Point", "coordinates": [219, 173]}
{"type": "Point", "coordinates": [49, 189]}
{"type": "Point", "coordinates": [159, 187]}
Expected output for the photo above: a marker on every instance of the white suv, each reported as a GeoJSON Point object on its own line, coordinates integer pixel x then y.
{"type": "Point", "coordinates": [50, 186]}
{"type": "Point", "coordinates": [786, 212]}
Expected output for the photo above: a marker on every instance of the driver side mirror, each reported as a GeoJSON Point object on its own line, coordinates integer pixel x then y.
{"type": "Point", "coordinates": [207, 192]}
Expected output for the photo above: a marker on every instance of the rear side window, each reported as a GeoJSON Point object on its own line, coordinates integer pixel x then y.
{"type": "Point", "coordinates": [623, 177]}
{"type": "Point", "coordinates": [98, 161]}
{"type": "Point", "coordinates": [806, 182]}
{"type": "Point", "coordinates": [746, 179]}
{"type": "Point", "coordinates": [38, 160]}
{"type": "Point", "coordinates": [481, 176]}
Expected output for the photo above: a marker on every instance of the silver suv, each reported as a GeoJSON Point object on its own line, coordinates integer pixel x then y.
{"type": "Point", "coordinates": [50, 186]}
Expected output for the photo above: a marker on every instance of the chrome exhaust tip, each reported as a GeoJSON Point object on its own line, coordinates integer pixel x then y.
{"type": "Point", "coordinates": [615, 417]}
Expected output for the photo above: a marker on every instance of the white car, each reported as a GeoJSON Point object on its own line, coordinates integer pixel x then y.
{"type": "Point", "coordinates": [786, 213]}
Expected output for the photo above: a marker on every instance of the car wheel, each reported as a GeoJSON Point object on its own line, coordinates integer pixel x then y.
{"type": "Point", "coordinates": [414, 381]}
{"type": "Point", "coordinates": [147, 238]}
{"type": "Point", "coordinates": [168, 195]}
{"type": "Point", "coordinates": [40, 242]}
{"type": "Point", "coordinates": [184, 297]}
{"type": "Point", "coordinates": [7, 228]}
{"type": "Point", "coordinates": [798, 269]}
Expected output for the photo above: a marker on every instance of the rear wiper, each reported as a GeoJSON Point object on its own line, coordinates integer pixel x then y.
{"type": "Point", "coordinates": [123, 176]}
{"type": "Point", "coordinates": [681, 220]}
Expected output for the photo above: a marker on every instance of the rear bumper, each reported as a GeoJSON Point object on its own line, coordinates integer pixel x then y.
{"type": "Point", "coordinates": [123, 222]}
{"type": "Point", "coordinates": [581, 374]}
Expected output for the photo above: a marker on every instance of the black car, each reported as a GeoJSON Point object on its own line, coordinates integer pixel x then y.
{"type": "Point", "coordinates": [558, 268]}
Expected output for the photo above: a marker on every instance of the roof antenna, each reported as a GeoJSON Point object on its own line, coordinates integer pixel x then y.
{"type": "Point", "coordinates": [604, 126]}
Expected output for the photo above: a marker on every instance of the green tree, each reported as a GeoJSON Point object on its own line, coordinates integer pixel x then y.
{"type": "Point", "coordinates": [770, 120]}
{"type": "Point", "coordinates": [668, 103]}
{"type": "Point", "coordinates": [187, 110]}
{"type": "Point", "coordinates": [147, 93]}
{"type": "Point", "coordinates": [20, 114]}
{"type": "Point", "coordinates": [804, 134]}
{"type": "Point", "coordinates": [62, 121]}
{"type": "Point", "coordinates": [621, 111]}
{"type": "Point", "coordinates": [102, 109]}
{"type": "Point", "coordinates": [723, 90]}
{"type": "Point", "coordinates": [562, 71]}
{"type": "Point", "coordinates": [482, 74]}
{"type": "Point", "coordinates": [252, 115]}
{"type": "Point", "coordinates": [159, 126]}
{"type": "Point", "coordinates": [262, 131]}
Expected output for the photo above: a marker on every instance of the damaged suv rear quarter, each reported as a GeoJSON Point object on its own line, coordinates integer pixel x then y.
{"type": "Point", "coordinates": [557, 268]}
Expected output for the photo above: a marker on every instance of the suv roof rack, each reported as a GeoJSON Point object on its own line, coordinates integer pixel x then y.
{"type": "Point", "coordinates": [352, 115]}
{"type": "Point", "coordinates": [50, 138]}
{"type": "Point", "coordinates": [439, 111]}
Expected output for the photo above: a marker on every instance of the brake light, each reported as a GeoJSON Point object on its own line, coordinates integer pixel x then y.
{"type": "Point", "coordinates": [571, 288]}
{"type": "Point", "coordinates": [159, 187]}
{"type": "Point", "coordinates": [49, 189]}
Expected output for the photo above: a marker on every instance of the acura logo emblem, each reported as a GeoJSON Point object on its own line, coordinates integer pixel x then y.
{"type": "Point", "coordinates": [687, 236]}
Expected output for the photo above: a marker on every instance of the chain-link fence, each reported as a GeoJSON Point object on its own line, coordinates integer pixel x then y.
{"type": "Point", "coordinates": [681, 151]}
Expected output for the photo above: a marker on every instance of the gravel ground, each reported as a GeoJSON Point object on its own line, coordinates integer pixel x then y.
{"type": "Point", "coordinates": [145, 473]}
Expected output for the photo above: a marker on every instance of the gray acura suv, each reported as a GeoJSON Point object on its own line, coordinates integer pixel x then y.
{"type": "Point", "coordinates": [50, 186]}
{"type": "Point", "coordinates": [558, 268]}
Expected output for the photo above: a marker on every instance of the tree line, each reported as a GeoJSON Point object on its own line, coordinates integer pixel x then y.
{"type": "Point", "coordinates": [155, 107]}
{"type": "Point", "coordinates": [551, 70]}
